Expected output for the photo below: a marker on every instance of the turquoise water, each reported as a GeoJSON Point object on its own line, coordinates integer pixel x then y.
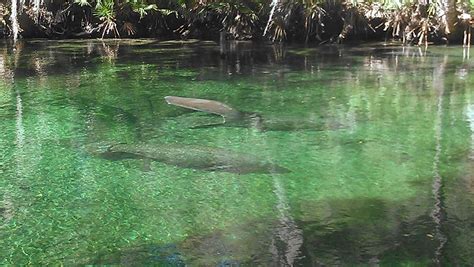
{"type": "Point", "coordinates": [382, 171]}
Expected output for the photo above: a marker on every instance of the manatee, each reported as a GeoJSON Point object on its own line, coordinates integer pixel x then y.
{"type": "Point", "coordinates": [234, 117]}
{"type": "Point", "coordinates": [187, 156]}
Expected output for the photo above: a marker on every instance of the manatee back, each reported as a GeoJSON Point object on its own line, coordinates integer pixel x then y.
{"type": "Point", "coordinates": [205, 105]}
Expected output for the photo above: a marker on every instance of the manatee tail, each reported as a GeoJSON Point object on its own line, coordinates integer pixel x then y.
{"type": "Point", "coordinates": [205, 105]}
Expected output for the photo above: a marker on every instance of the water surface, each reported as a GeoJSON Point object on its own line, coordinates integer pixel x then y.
{"type": "Point", "coordinates": [386, 176]}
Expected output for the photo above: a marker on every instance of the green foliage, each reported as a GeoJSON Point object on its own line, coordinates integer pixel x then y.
{"type": "Point", "coordinates": [237, 18]}
{"type": "Point", "coordinates": [308, 20]}
{"type": "Point", "coordinates": [82, 3]}
{"type": "Point", "coordinates": [167, 12]}
{"type": "Point", "coordinates": [141, 7]}
{"type": "Point", "coordinates": [104, 10]}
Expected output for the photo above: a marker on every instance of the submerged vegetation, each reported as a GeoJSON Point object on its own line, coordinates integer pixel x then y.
{"type": "Point", "coordinates": [364, 194]}
{"type": "Point", "coordinates": [317, 21]}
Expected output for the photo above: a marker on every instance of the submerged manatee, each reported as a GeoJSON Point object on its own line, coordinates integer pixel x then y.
{"type": "Point", "coordinates": [186, 156]}
{"type": "Point", "coordinates": [233, 117]}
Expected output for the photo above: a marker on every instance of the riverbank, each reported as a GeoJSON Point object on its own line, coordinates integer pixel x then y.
{"type": "Point", "coordinates": [275, 21]}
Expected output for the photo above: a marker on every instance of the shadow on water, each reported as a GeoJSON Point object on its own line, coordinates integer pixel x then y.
{"type": "Point", "coordinates": [354, 231]}
{"type": "Point", "coordinates": [146, 255]}
{"type": "Point", "coordinates": [368, 231]}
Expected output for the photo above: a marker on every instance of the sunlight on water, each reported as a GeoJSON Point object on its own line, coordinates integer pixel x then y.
{"type": "Point", "coordinates": [333, 156]}
{"type": "Point", "coordinates": [470, 118]}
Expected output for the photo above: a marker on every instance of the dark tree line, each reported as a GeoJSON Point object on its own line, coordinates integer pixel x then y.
{"type": "Point", "coordinates": [319, 21]}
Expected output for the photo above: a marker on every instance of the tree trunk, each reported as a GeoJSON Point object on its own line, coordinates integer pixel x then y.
{"type": "Point", "coordinates": [449, 16]}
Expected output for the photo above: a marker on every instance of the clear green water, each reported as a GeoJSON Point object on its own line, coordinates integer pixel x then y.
{"type": "Point", "coordinates": [387, 176]}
